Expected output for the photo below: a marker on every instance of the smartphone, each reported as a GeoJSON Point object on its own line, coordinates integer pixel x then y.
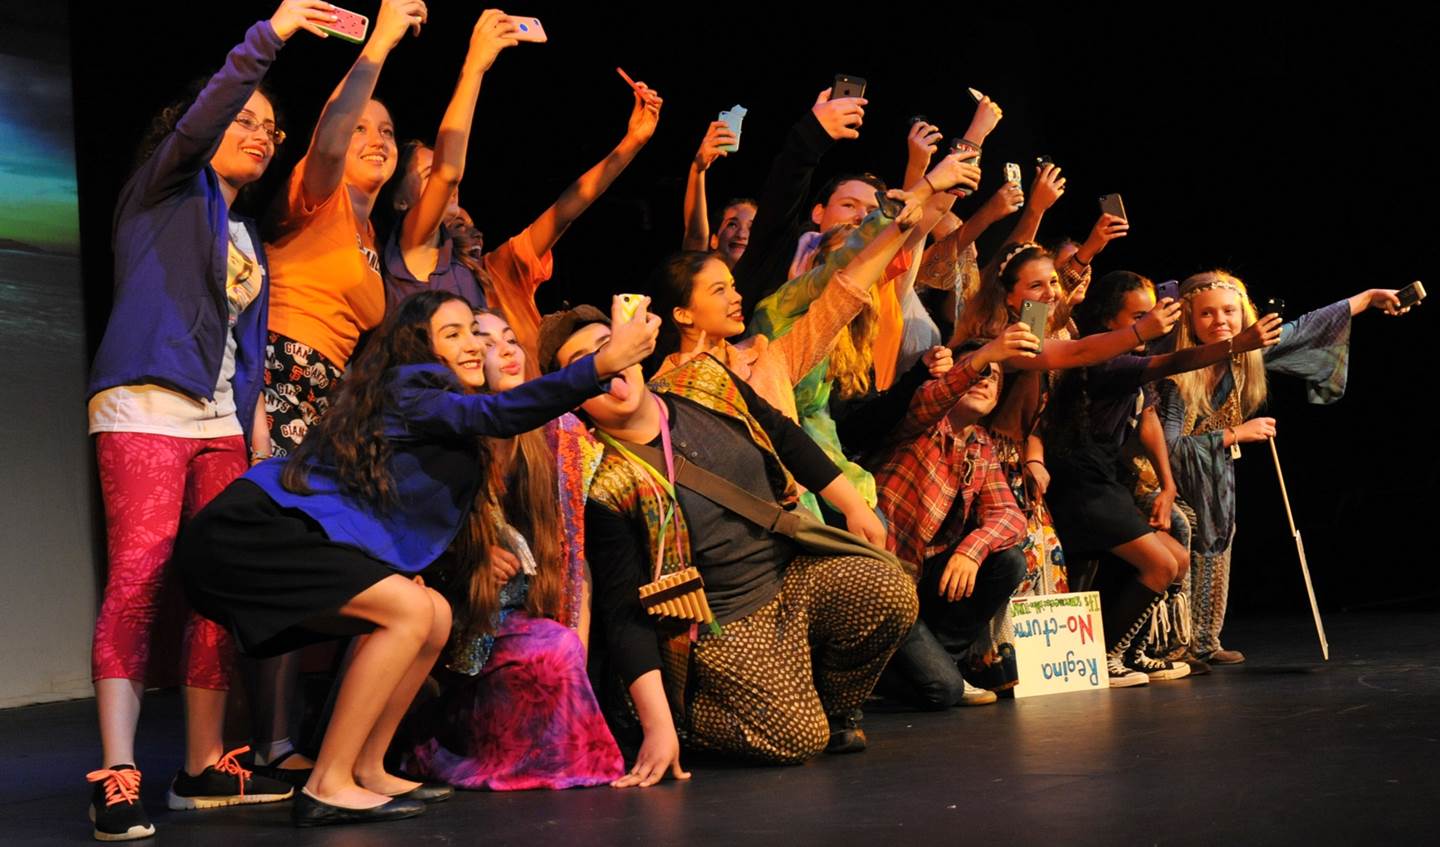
{"type": "Point", "coordinates": [630, 305]}
{"type": "Point", "coordinates": [1273, 306]}
{"type": "Point", "coordinates": [1411, 294]}
{"type": "Point", "coordinates": [847, 86]}
{"type": "Point", "coordinates": [963, 146]}
{"type": "Point", "coordinates": [530, 30]}
{"type": "Point", "coordinates": [1111, 204]}
{"type": "Point", "coordinates": [1012, 173]}
{"type": "Point", "coordinates": [975, 92]}
{"type": "Point", "coordinates": [1042, 160]}
{"type": "Point", "coordinates": [733, 117]}
{"type": "Point", "coordinates": [348, 25]}
{"type": "Point", "coordinates": [1035, 315]}
{"type": "Point", "coordinates": [1169, 288]}
{"type": "Point", "coordinates": [889, 207]}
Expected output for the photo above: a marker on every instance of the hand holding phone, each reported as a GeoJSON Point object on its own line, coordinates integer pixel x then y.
{"type": "Point", "coordinates": [733, 118]}
{"type": "Point", "coordinates": [348, 25]}
{"type": "Point", "coordinates": [1111, 204]}
{"type": "Point", "coordinates": [839, 117]}
{"type": "Point", "coordinates": [1411, 294]}
{"type": "Point", "coordinates": [528, 29]}
{"type": "Point", "coordinates": [630, 305]}
{"type": "Point", "coordinates": [1035, 315]}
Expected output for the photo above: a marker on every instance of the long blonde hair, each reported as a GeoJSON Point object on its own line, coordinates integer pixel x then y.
{"type": "Point", "coordinates": [1248, 369]}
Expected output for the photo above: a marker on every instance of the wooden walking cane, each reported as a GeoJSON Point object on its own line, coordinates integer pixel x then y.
{"type": "Point", "coordinates": [1300, 548]}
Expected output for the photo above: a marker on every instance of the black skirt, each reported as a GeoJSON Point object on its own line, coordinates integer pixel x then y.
{"type": "Point", "coordinates": [268, 574]}
{"type": "Point", "coordinates": [1093, 511]}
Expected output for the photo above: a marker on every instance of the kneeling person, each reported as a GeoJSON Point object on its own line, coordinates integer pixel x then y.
{"type": "Point", "coordinates": [803, 638]}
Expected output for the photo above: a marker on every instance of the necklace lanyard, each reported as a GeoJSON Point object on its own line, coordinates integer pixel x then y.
{"type": "Point", "coordinates": [656, 481]}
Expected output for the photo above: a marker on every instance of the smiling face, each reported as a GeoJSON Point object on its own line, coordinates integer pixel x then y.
{"type": "Point", "coordinates": [714, 305]}
{"type": "Point", "coordinates": [504, 357]}
{"type": "Point", "coordinates": [1216, 315]}
{"type": "Point", "coordinates": [851, 201]}
{"type": "Point", "coordinates": [370, 159]}
{"type": "Point", "coordinates": [1034, 280]}
{"type": "Point", "coordinates": [606, 411]}
{"type": "Point", "coordinates": [979, 399]}
{"type": "Point", "coordinates": [730, 240]}
{"type": "Point", "coordinates": [243, 153]}
{"type": "Point", "coordinates": [455, 339]}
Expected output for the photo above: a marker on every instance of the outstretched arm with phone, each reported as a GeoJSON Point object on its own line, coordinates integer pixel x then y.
{"type": "Point", "coordinates": [785, 197]}
{"type": "Point", "coordinates": [574, 200]}
{"type": "Point", "coordinates": [492, 33]}
{"type": "Point", "coordinates": [325, 159]}
{"type": "Point", "coordinates": [718, 137]}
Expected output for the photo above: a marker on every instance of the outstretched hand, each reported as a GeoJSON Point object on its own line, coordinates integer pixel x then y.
{"type": "Point", "coordinates": [493, 32]}
{"type": "Point", "coordinates": [395, 19]}
{"type": "Point", "coordinates": [645, 114]}
{"type": "Point", "coordinates": [659, 752]}
{"type": "Point", "coordinates": [309, 15]}
{"type": "Point", "coordinates": [1158, 320]}
{"type": "Point", "coordinates": [1263, 333]}
{"type": "Point", "coordinates": [631, 339]}
{"type": "Point", "coordinates": [718, 136]}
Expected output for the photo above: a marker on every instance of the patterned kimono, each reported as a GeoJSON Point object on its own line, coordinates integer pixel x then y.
{"type": "Point", "coordinates": [1314, 347]}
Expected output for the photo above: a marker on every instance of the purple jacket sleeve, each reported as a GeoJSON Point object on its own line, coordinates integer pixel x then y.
{"type": "Point", "coordinates": [428, 402]}
{"type": "Point", "coordinates": [182, 153]}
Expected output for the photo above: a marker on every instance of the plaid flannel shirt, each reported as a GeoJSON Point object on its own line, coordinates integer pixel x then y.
{"type": "Point", "coordinates": [938, 482]}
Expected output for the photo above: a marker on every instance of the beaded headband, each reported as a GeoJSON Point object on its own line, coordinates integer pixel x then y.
{"type": "Point", "coordinates": [1015, 251]}
{"type": "Point", "coordinates": [1221, 284]}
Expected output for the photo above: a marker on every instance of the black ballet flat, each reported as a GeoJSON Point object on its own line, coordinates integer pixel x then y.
{"type": "Point", "coordinates": [428, 792]}
{"type": "Point", "coordinates": [307, 810]}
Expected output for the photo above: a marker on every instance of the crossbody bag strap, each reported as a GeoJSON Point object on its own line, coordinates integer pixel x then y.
{"type": "Point", "coordinates": [724, 493]}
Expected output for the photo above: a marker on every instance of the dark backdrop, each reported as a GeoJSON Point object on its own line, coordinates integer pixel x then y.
{"type": "Point", "coordinates": [1287, 148]}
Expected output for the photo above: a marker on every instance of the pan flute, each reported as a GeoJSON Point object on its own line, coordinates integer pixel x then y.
{"type": "Point", "coordinates": [678, 595]}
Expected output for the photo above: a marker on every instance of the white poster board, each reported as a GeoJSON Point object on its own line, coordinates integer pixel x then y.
{"type": "Point", "coordinates": [1059, 644]}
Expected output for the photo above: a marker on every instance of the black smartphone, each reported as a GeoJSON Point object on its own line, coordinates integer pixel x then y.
{"type": "Point", "coordinates": [847, 86]}
{"type": "Point", "coordinates": [889, 207]}
{"type": "Point", "coordinates": [1273, 306]}
{"type": "Point", "coordinates": [917, 119]}
{"type": "Point", "coordinates": [1411, 294]}
{"type": "Point", "coordinates": [1042, 160]}
{"type": "Point", "coordinates": [1111, 204]}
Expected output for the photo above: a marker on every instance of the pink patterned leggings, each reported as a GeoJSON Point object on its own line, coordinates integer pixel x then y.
{"type": "Point", "coordinates": [149, 484]}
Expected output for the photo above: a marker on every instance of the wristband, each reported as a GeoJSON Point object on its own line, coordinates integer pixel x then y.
{"type": "Point", "coordinates": [1034, 462]}
{"type": "Point", "coordinates": [933, 189]}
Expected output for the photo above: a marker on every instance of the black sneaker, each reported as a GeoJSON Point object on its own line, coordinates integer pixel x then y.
{"type": "Point", "coordinates": [115, 805]}
{"type": "Point", "coordinates": [296, 777]}
{"type": "Point", "coordinates": [846, 734]}
{"type": "Point", "coordinates": [225, 783]}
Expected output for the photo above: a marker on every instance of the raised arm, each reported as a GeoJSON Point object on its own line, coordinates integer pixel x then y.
{"type": "Point", "coordinates": [1048, 187]}
{"type": "Point", "coordinates": [182, 153]}
{"type": "Point", "coordinates": [552, 223]}
{"type": "Point", "coordinates": [697, 213]}
{"type": "Point", "coordinates": [1263, 333]}
{"type": "Point", "coordinates": [325, 159]}
{"type": "Point", "coordinates": [1061, 354]}
{"type": "Point", "coordinates": [492, 33]}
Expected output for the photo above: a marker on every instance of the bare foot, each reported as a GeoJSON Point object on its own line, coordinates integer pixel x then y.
{"type": "Point", "coordinates": [351, 797]}
{"type": "Point", "coordinates": [296, 762]}
{"type": "Point", "coordinates": [386, 783]}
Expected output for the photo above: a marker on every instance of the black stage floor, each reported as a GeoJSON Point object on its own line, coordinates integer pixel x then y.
{"type": "Point", "coordinates": [1281, 750]}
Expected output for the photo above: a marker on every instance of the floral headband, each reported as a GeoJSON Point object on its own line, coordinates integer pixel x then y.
{"type": "Point", "coordinates": [1212, 285]}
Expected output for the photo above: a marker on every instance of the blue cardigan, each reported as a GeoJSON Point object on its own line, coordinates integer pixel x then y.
{"type": "Point", "coordinates": [171, 242]}
{"type": "Point", "coordinates": [432, 428]}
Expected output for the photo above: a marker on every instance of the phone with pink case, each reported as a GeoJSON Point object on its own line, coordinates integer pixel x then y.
{"type": "Point", "coordinates": [348, 25]}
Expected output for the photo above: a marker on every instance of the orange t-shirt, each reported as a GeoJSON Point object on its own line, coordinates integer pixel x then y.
{"type": "Point", "coordinates": [325, 285]}
{"type": "Point", "coordinates": [890, 325]}
{"type": "Point", "coordinates": [515, 272]}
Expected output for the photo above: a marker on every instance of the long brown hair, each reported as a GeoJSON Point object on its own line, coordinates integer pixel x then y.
{"type": "Point", "coordinates": [521, 485]}
{"type": "Point", "coordinates": [351, 436]}
{"type": "Point", "coordinates": [986, 315]}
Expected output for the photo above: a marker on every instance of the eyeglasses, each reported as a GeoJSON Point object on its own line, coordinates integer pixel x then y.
{"type": "Point", "coordinates": [249, 123]}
